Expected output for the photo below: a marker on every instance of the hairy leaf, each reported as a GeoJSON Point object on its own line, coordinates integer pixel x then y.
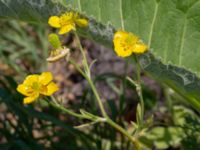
{"type": "Point", "coordinates": [171, 28]}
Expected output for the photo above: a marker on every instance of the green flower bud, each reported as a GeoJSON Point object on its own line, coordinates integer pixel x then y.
{"type": "Point", "coordinates": [54, 40]}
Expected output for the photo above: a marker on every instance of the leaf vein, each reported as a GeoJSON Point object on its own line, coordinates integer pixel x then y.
{"type": "Point", "coordinates": [152, 25]}
{"type": "Point", "coordinates": [121, 14]}
{"type": "Point", "coordinates": [182, 41]}
{"type": "Point", "coordinates": [99, 11]}
{"type": "Point", "coordinates": [14, 12]}
{"type": "Point", "coordinates": [79, 6]}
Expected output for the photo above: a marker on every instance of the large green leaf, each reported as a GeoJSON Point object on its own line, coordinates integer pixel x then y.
{"type": "Point", "coordinates": [29, 10]}
{"type": "Point", "coordinates": [170, 27]}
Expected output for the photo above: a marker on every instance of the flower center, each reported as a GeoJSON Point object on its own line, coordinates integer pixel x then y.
{"type": "Point", "coordinates": [43, 89]}
{"type": "Point", "coordinates": [131, 39]}
{"type": "Point", "coordinates": [29, 90]}
{"type": "Point", "coordinates": [36, 86]}
{"type": "Point", "coordinates": [129, 42]}
{"type": "Point", "coordinates": [125, 45]}
{"type": "Point", "coordinates": [67, 19]}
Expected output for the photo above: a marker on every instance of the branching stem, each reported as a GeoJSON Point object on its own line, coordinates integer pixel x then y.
{"type": "Point", "coordinates": [86, 74]}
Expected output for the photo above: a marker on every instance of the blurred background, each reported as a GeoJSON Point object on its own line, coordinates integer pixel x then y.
{"type": "Point", "coordinates": [24, 49]}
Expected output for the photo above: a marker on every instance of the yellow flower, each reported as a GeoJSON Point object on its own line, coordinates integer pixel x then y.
{"type": "Point", "coordinates": [67, 22]}
{"type": "Point", "coordinates": [35, 84]}
{"type": "Point", "coordinates": [127, 43]}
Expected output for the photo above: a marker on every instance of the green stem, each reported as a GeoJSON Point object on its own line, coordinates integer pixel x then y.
{"type": "Point", "coordinates": [169, 102]}
{"type": "Point", "coordinates": [124, 86]}
{"type": "Point", "coordinates": [92, 87]}
{"type": "Point", "coordinates": [86, 67]}
{"type": "Point", "coordinates": [61, 108]}
{"type": "Point", "coordinates": [89, 124]}
{"type": "Point", "coordinates": [88, 77]}
{"type": "Point", "coordinates": [139, 89]}
{"type": "Point", "coordinates": [107, 119]}
{"type": "Point", "coordinates": [98, 98]}
{"type": "Point", "coordinates": [77, 67]}
{"type": "Point", "coordinates": [124, 132]}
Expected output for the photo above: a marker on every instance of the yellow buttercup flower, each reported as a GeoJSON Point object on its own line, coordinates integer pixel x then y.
{"type": "Point", "coordinates": [35, 84]}
{"type": "Point", "coordinates": [67, 22]}
{"type": "Point", "coordinates": [127, 43]}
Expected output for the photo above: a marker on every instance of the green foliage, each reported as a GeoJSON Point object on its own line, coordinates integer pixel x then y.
{"type": "Point", "coordinates": [31, 11]}
{"type": "Point", "coordinates": [192, 130]}
{"type": "Point", "coordinates": [164, 137]}
{"type": "Point", "coordinates": [145, 23]}
{"type": "Point", "coordinates": [170, 28]}
{"type": "Point", "coordinates": [185, 131]}
{"type": "Point", "coordinates": [22, 45]}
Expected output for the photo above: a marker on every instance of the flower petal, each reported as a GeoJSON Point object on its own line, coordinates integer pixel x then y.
{"type": "Point", "coordinates": [25, 90]}
{"type": "Point", "coordinates": [31, 79]}
{"type": "Point", "coordinates": [139, 48]}
{"type": "Point", "coordinates": [45, 78]}
{"type": "Point", "coordinates": [82, 22]}
{"type": "Point", "coordinates": [30, 99]}
{"type": "Point", "coordinates": [66, 28]}
{"type": "Point", "coordinates": [120, 44]}
{"type": "Point", "coordinates": [122, 52]}
{"type": "Point", "coordinates": [54, 21]}
{"type": "Point", "coordinates": [120, 34]}
{"type": "Point", "coordinates": [51, 88]}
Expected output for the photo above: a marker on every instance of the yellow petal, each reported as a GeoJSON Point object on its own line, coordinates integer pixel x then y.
{"type": "Point", "coordinates": [140, 48]}
{"type": "Point", "coordinates": [121, 52]}
{"type": "Point", "coordinates": [125, 36]}
{"type": "Point", "coordinates": [120, 47]}
{"type": "Point", "coordinates": [66, 28]}
{"type": "Point", "coordinates": [54, 21]}
{"type": "Point", "coordinates": [25, 90]}
{"type": "Point", "coordinates": [82, 22]}
{"type": "Point", "coordinates": [120, 34]}
{"type": "Point", "coordinates": [31, 79]}
{"type": "Point", "coordinates": [45, 78]}
{"type": "Point", "coordinates": [30, 99]}
{"type": "Point", "coordinates": [51, 88]}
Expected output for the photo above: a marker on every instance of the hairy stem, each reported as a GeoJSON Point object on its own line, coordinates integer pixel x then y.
{"type": "Point", "coordinates": [139, 89]}
{"type": "Point", "coordinates": [86, 74]}
{"type": "Point", "coordinates": [63, 109]}
{"type": "Point", "coordinates": [85, 64]}
{"type": "Point", "coordinates": [124, 132]}
{"type": "Point", "coordinates": [88, 77]}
